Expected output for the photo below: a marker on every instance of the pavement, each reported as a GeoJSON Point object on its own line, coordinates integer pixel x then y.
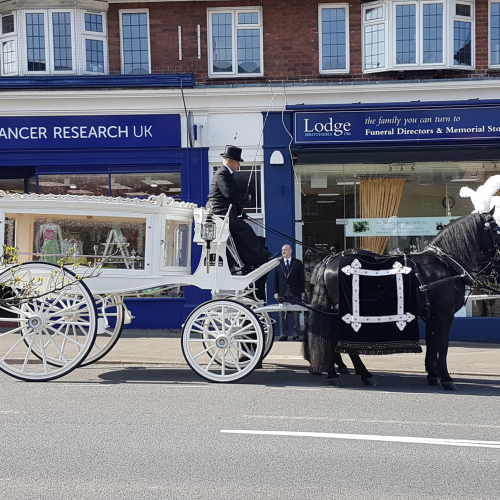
{"type": "Point", "coordinates": [163, 347]}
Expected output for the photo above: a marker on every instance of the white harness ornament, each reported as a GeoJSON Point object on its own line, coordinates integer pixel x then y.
{"type": "Point", "coordinates": [356, 320]}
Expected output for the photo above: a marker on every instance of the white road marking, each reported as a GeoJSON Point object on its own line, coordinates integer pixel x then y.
{"type": "Point", "coordinates": [371, 421]}
{"type": "Point", "coordinates": [370, 437]}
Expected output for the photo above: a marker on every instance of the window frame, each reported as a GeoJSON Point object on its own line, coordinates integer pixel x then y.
{"type": "Point", "coordinates": [490, 64]}
{"type": "Point", "coordinates": [380, 21]}
{"type": "Point", "coordinates": [234, 38]}
{"type": "Point", "coordinates": [93, 35]}
{"type": "Point", "coordinates": [9, 37]}
{"type": "Point", "coordinates": [472, 20]}
{"type": "Point", "coordinates": [120, 15]}
{"type": "Point", "coordinates": [390, 19]}
{"type": "Point", "coordinates": [51, 51]}
{"type": "Point", "coordinates": [347, 68]}
{"type": "Point", "coordinates": [78, 36]}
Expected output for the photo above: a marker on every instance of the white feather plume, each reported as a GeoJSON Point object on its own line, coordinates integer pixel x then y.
{"type": "Point", "coordinates": [482, 198]}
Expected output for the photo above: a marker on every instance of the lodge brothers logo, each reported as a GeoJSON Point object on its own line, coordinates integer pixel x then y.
{"type": "Point", "coordinates": [328, 128]}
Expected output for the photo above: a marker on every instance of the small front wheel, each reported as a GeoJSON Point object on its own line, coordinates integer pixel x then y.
{"type": "Point", "coordinates": [222, 341]}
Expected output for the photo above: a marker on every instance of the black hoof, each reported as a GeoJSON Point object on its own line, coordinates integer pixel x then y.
{"type": "Point", "coordinates": [335, 382]}
{"type": "Point", "coordinates": [370, 381]}
{"type": "Point", "coordinates": [433, 381]}
{"type": "Point", "coordinates": [449, 386]}
{"type": "Point", "coordinates": [343, 370]}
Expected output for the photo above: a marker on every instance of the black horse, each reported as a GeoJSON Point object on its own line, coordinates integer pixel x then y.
{"type": "Point", "coordinates": [461, 251]}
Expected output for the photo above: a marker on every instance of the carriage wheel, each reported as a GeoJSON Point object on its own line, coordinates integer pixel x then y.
{"type": "Point", "coordinates": [267, 327]}
{"type": "Point", "coordinates": [225, 331]}
{"type": "Point", "coordinates": [111, 309]}
{"type": "Point", "coordinates": [44, 338]}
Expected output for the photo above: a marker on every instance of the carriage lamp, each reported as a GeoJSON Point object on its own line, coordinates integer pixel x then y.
{"type": "Point", "coordinates": [208, 233]}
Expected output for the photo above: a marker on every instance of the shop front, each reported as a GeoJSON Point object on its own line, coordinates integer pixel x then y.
{"type": "Point", "coordinates": [129, 156]}
{"type": "Point", "coordinates": [386, 177]}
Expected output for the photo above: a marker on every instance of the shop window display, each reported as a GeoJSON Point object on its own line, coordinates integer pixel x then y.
{"type": "Point", "coordinates": [118, 242]}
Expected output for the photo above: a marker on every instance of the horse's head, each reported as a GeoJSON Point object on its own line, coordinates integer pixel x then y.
{"type": "Point", "coordinates": [490, 246]}
{"type": "Point", "coordinates": [473, 240]}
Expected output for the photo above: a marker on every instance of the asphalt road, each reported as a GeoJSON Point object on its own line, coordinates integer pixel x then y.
{"type": "Point", "coordinates": [163, 433]}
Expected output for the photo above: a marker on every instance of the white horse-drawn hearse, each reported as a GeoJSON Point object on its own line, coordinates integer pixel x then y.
{"type": "Point", "coordinates": [62, 303]}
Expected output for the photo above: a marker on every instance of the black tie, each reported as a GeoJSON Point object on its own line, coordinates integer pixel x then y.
{"type": "Point", "coordinates": [287, 268]}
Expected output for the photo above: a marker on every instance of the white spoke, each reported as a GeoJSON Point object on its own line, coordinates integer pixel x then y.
{"type": "Point", "coordinates": [223, 320]}
{"type": "Point", "coordinates": [12, 331]}
{"type": "Point", "coordinates": [204, 351]}
{"type": "Point", "coordinates": [61, 355]}
{"type": "Point", "coordinates": [44, 356]}
{"type": "Point", "coordinates": [235, 362]}
{"type": "Point", "coordinates": [246, 341]}
{"type": "Point", "coordinates": [223, 364]}
{"type": "Point", "coordinates": [28, 352]}
{"type": "Point", "coordinates": [244, 329]}
{"type": "Point", "coordinates": [14, 346]}
{"type": "Point", "coordinates": [69, 338]}
{"type": "Point", "coordinates": [245, 353]}
{"type": "Point", "coordinates": [233, 323]}
{"type": "Point", "coordinates": [65, 310]}
{"type": "Point", "coordinates": [203, 330]}
{"type": "Point", "coordinates": [211, 361]}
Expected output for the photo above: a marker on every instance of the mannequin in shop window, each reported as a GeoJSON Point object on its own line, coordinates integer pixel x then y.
{"type": "Point", "coordinates": [49, 241]}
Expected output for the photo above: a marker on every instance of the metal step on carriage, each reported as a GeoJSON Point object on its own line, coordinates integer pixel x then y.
{"type": "Point", "coordinates": [57, 315]}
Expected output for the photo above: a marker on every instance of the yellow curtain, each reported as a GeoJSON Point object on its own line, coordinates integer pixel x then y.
{"type": "Point", "coordinates": [379, 198]}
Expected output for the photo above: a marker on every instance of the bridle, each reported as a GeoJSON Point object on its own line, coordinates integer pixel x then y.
{"type": "Point", "coordinates": [493, 252]}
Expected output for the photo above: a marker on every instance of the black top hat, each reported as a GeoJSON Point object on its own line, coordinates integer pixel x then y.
{"type": "Point", "coordinates": [232, 153]}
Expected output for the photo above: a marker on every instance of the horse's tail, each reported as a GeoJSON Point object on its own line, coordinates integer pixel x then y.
{"type": "Point", "coordinates": [319, 342]}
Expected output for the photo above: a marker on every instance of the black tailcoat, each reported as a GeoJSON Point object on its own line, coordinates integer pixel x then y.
{"type": "Point", "coordinates": [292, 285]}
{"type": "Point", "coordinates": [224, 192]}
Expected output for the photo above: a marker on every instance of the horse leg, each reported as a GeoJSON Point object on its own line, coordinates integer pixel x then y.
{"type": "Point", "coordinates": [366, 377]}
{"type": "Point", "coordinates": [437, 351]}
{"type": "Point", "coordinates": [343, 370]}
{"type": "Point", "coordinates": [431, 353]}
{"type": "Point", "coordinates": [443, 332]}
{"type": "Point", "coordinates": [333, 377]}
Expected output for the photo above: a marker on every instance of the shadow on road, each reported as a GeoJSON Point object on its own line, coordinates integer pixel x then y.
{"type": "Point", "coordinates": [288, 378]}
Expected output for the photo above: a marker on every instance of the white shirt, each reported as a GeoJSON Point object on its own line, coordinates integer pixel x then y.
{"type": "Point", "coordinates": [288, 261]}
{"type": "Point", "coordinates": [230, 171]}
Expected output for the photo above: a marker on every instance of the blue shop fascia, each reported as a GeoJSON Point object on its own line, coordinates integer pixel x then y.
{"type": "Point", "coordinates": [326, 153]}
{"type": "Point", "coordinates": [133, 155]}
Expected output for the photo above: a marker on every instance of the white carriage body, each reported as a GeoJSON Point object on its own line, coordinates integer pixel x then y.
{"type": "Point", "coordinates": [141, 243]}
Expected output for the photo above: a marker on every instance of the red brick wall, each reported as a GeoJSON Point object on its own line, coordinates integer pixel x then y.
{"type": "Point", "coordinates": [290, 42]}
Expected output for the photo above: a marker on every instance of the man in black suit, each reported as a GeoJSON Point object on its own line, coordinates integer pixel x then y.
{"type": "Point", "coordinates": [224, 192]}
{"type": "Point", "coordinates": [289, 281]}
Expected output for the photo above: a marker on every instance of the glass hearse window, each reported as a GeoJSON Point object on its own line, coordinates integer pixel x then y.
{"type": "Point", "coordinates": [82, 240]}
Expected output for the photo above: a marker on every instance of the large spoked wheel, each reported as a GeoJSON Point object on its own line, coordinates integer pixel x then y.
{"type": "Point", "coordinates": [222, 341]}
{"type": "Point", "coordinates": [43, 338]}
{"type": "Point", "coordinates": [111, 309]}
{"type": "Point", "coordinates": [266, 321]}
